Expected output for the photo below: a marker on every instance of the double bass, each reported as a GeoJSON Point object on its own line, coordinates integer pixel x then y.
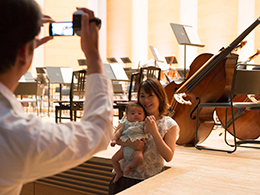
{"type": "Point", "coordinates": [247, 122]}
{"type": "Point", "coordinates": [206, 82]}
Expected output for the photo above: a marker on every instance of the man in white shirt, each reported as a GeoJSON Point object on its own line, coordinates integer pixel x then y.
{"type": "Point", "coordinates": [29, 147]}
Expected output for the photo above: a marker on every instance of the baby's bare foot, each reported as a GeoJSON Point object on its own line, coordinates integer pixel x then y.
{"type": "Point", "coordinates": [117, 177]}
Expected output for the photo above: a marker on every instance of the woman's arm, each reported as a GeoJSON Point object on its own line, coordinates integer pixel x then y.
{"type": "Point", "coordinates": [117, 134]}
{"type": "Point", "coordinates": [166, 146]}
{"type": "Point", "coordinates": [119, 131]}
{"type": "Point", "coordinates": [136, 145]}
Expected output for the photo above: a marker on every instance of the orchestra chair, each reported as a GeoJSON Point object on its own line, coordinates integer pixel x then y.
{"type": "Point", "coordinates": [143, 74]}
{"type": "Point", "coordinates": [43, 81]}
{"type": "Point", "coordinates": [118, 90]}
{"type": "Point", "coordinates": [245, 82]}
{"type": "Point", "coordinates": [134, 83]}
{"type": "Point", "coordinates": [76, 98]}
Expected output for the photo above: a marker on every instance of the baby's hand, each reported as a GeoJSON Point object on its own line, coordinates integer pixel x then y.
{"type": "Point", "coordinates": [113, 143]}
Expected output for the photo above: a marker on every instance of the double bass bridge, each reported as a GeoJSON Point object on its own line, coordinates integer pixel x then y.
{"type": "Point", "coordinates": [179, 97]}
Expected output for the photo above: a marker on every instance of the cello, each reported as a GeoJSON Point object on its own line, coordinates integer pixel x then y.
{"type": "Point", "coordinates": [244, 130]}
{"type": "Point", "coordinates": [205, 83]}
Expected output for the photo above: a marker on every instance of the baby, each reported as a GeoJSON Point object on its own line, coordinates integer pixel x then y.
{"type": "Point", "coordinates": [132, 128]}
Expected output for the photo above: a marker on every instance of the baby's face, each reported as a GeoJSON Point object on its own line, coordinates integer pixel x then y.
{"type": "Point", "coordinates": [135, 114]}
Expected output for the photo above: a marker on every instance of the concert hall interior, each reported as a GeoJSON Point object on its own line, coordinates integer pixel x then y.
{"type": "Point", "coordinates": [197, 45]}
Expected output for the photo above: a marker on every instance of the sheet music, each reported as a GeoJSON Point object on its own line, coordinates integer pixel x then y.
{"type": "Point", "coordinates": [66, 74]}
{"type": "Point", "coordinates": [192, 35]}
{"type": "Point", "coordinates": [108, 71]}
{"type": "Point", "coordinates": [186, 35]}
{"type": "Point", "coordinates": [156, 54]}
{"type": "Point", "coordinates": [119, 72]}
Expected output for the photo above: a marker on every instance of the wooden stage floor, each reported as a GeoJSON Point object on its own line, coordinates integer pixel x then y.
{"type": "Point", "coordinates": [194, 171]}
{"type": "Point", "coordinates": [206, 172]}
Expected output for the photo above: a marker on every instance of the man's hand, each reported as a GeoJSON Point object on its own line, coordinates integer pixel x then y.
{"type": "Point", "coordinates": [89, 42]}
{"type": "Point", "coordinates": [38, 42]}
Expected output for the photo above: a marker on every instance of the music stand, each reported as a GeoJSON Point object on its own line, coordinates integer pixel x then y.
{"type": "Point", "coordinates": [115, 72]}
{"type": "Point", "coordinates": [158, 58]}
{"type": "Point", "coordinates": [186, 35]}
{"type": "Point", "coordinates": [112, 60]}
{"type": "Point", "coordinates": [126, 60]}
{"type": "Point", "coordinates": [169, 58]}
{"type": "Point", "coordinates": [156, 54]}
{"type": "Point", "coordinates": [58, 75]}
{"type": "Point", "coordinates": [27, 77]}
{"type": "Point", "coordinates": [40, 70]}
{"type": "Point", "coordinates": [82, 62]}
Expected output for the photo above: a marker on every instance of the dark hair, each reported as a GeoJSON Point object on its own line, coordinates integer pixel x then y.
{"type": "Point", "coordinates": [132, 104]}
{"type": "Point", "coordinates": [20, 22]}
{"type": "Point", "coordinates": [154, 86]}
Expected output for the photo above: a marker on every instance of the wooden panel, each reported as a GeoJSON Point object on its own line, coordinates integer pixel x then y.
{"type": "Point", "coordinates": [91, 177]}
{"type": "Point", "coordinates": [28, 189]}
{"type": "Point", "coordinates": [45, 188]}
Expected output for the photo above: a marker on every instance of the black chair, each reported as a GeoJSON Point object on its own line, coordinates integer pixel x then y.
{"type": "Point", "coordinates": [143, 74]}
{"type": "Point", "coordinates": [245, 82]}
{"type": "Point", "coordinates": [44, 82]}
{"type": "Point", "coordinates": [76, 100]}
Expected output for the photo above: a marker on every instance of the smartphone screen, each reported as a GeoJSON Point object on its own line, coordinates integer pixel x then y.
{"type": "Point", "coordinates": [61, 29]}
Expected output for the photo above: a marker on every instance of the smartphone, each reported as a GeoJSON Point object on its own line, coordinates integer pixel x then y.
{"type": "Point", "coordinates": [61, 29]}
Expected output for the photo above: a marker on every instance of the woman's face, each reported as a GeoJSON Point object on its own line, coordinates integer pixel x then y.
{"type": "Point", "coordinates": [150, 102]}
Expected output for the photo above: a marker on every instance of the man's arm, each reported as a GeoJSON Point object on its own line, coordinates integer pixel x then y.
{"type": "Point", "coordinates": [89, 42]}
{"type": "Point", "coordinates": [66, 145]}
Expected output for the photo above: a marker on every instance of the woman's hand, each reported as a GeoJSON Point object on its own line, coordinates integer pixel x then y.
{"type": "Point", "coordinates": [150, 125]}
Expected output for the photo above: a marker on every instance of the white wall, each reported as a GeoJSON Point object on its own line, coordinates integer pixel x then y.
{"type": "Point", "coordinates": [246, 16]}
{"type": "Point", "coordinates": [140, 32]}
{"type": "Point", "coordinates": [100, 9]}
{"type": "Point", "coordinates": [188, 16]}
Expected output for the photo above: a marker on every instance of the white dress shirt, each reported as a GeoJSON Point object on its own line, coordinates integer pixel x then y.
{"type": "Point", "coordinates": [31, 148]}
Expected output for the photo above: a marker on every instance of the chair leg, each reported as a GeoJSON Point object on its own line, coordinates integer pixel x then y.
{"type": "Point", "coordinates": [212, 149]}
{"type": "Point", "coordinates": [56, 114]}
{"type": "Point", "coordinates": [196, 135]}
{"type": "Point", "coordinates": [234, 131]}
{"type": "Point", "coordinates": [75, 115]}
{"type": "Point", "coordinates": [248, 141]}
{"type": "Point", "coordinates": [71, 115]}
